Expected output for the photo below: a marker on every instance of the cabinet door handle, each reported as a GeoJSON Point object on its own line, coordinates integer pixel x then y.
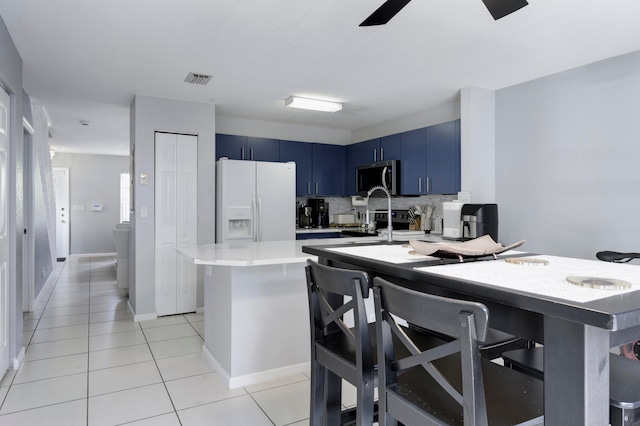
{"type": "Point", "coordinates": [381, 154]}
{"type": "Point", "coordinates": [309, 188]}
{"type": "Point", "coordinates": [375, 155]}
{"type": "Point", "coordinates": [251, 154]}
{"type": "Point", "coordinates": [242, 153]}
{"type": "Point", "coordinates": [317, 186]}
{"type": "Point", "coordinates": [428, 184]}
{"type": "Point", "coordinates": [419, 184]}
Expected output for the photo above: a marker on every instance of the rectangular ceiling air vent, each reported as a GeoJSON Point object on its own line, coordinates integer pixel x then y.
{"type": "Point", "coordinates": [196, 78]}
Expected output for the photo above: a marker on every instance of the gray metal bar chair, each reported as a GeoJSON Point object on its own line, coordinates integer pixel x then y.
{"type": "Point", "coordinates": [450, 383]}
{"type": "Point", "coordinates": [624, 381]}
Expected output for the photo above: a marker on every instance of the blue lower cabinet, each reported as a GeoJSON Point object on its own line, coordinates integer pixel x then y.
{"type": "Point", "coordinates": [317, 235]}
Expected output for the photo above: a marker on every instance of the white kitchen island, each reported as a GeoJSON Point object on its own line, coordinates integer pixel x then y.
{"type": "Point", "coordinates": [255, 308]}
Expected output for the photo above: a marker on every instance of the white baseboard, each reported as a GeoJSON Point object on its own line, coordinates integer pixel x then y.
{"type": "Point", "coordinates": [142, 317]}
{"type": "Point", "coordinates": [94, 255]}
{"type": "Point", "coordinates": [15, 363]}
{"type": "Point", "coordinates": [253, 378]}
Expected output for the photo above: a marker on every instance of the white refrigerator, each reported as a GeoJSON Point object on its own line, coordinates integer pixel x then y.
{"type": "Point", "coordinates": [255, 201]}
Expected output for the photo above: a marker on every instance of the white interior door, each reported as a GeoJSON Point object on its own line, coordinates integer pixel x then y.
{"type": "Point", "coordinates": [61, 191]}
{"type": "Point", "coordinates": [175, 221]}
{"type": "Point", "coordinates": [5, 102]}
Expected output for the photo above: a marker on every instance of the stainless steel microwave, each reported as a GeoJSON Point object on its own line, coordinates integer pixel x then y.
{"type": "Point", "coordinates": [382, 173]}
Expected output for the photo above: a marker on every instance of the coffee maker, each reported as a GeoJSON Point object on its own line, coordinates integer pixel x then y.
{"type": "Point", "coordinates": [320, 212]}
{"type": "Point", "coordinates": [305, 216]}
{"type": "Point", "coordinates": [479, 220]}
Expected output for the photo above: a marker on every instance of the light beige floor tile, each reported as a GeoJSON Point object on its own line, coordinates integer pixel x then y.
{"type": "Point", "coordinates": [241, 410]}
{"type": "Point", "coordinates": [65, 302]}
{"type": "Point", "coordinates": [8, 378]}
{"type": "Point", "coordinates": [106, 299]}
{"type": "Point", "coordinates": [3, 392]}
{"type": "Point", "coordinates": [30, 325]}
{"type": "Point", "coordinates": [45, 392]}
{"type": "Point", "coordinates": [296, 378]}
{"type": "Point", "coordinates": [60, 333]}
{"type": "Point", "coordinates": [169, 332]}
{"type": "Point", "coordinates": [33, 315]}
{"type": "Point", "coordinates": [183, 366]}
{"type": "Point", "coordinates": [119, 356]}
{"type": "Point", "coordinates": [198, 390]}
{"type": "Point", "coordinates": [198, 326]}
{"type": "Point", "coordinates": [66, 296]}
{"type": "Point", "coordinates": [194, 317]}
{"type": "Point", "coordinates": [109, 316]}
{"type": "Point", "coordinates": [285, 404]}
{"type": "Point", "coordinates": [26, 337]}
{"type": "Point", "coordinates": [116, 340]}
{"type": "Point", "coordinates": [129, 405]}
{"type": "Point", "coordinates": [65, 311]}
{"type": "Point", "coordinates": [163, 420]}
{"type": "Point", "coordinates": [65, 321]}
{"type": "Point", "coordinates": [112, 327]}
{"type": "Point", "coordinates": [176, 347]}
{"type": "Point", "coordinates": [55, 349]}
{"type": "Point", "coordinates": [51, 367]}
{"type": "Point", "coordinates": [163, 321]}
{"type": "Point", "coordinates": [108, 307]}
{"type": "Point", "coordinates": [124, 377]}
{"type": "Point", "coordinates": [72, 413]}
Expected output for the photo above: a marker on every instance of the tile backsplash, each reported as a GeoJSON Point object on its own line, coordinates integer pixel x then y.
{"type": "Point", "coordinates": [339, 205]}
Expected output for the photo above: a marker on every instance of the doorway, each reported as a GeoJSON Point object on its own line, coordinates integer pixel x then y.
{"type": "Point", "coordinates": [61, 190]}
{"type": "Point", "coordinates": [28, 236]}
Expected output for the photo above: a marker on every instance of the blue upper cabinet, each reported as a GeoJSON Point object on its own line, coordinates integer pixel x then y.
{"type": "Point", "coordinates": [371, 151]}
{"type": "Point", "coordinates": [247, 148]}
{"type": "Point", "coordinates": [300, 153]}
{"type": "Point", "coordinates": [230, 146]}
{"type": "Point", "coordinates": [355, 155]}
{"type": "Point", "coordinates": [390, 147]}
{"type": "Point", "coordinates": [430, 160]}
{"type": "Point", "coordinates": [443, 158]}
{"type": "Point", "coordinates": [412, 162]}
{"type": "Point", "coordinates": [263, 149]}
{"type": "Point", "coordinates": [328, 170]}
{"type": "Point", "coordinates": [319, 167]}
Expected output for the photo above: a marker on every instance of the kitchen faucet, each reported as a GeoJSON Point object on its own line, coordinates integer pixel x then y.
{"type": "Point", "coordinates": [386, 191]}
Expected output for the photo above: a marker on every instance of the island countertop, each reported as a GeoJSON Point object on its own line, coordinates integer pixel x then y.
{"type": "Point", "coordinates": [248, 253]}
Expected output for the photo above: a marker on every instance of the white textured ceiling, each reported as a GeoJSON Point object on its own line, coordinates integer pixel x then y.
{"type": "Point", "coordinates": [86, 59]}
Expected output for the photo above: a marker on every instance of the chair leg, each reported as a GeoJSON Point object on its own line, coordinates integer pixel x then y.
{"type": "Point", "coordinates": [316, 405]}
{"type": "Point", "coordinates": [332, 398]}
{"type": "Point", "coordinates": [364, 407]}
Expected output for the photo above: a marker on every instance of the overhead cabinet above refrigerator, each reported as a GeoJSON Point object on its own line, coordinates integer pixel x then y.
{"type": "Point", "coordinates": [255, 201]}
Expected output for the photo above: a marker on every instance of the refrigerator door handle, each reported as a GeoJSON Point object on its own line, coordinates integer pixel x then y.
{"type": "Point", "coordinates": [259, 220]}
{"type": "Point", "coordinates": [254, 215]}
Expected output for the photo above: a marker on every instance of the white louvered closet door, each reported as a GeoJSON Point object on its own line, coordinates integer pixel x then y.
{"type": "Point", "coordinates": [175, 221]}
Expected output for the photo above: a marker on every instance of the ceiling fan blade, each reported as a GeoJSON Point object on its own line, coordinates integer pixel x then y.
{"type": "Point", "coordinates": [384, 13]}
{"type": "Point", "coordinates": [501, 8]}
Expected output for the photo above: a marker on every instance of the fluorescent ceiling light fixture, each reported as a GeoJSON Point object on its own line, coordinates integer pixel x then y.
{"type": "Point", "coordinates": [313, 104]}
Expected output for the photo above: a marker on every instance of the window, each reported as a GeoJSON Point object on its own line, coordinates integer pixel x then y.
{"type": "Point", "coordinates": [125, 200]}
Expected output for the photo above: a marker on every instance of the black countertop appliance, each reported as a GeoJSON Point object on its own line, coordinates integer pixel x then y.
{"type": "Point", "coordinates": [320, 212]}
{"type": "Point", "coordinates": [479, 220]}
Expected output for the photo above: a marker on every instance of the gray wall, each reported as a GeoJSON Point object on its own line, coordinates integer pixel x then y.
{"type": "Point", "coordinates": [44, 230]}
{"type": "Point", "coordinates": [567, 160]}
{"type": "Point", "coordinates": [149, 115]}
{"type": "Point", "coordinates": [93, 179]}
